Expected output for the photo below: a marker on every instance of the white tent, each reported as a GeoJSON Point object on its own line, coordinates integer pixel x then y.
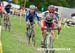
{"type": "Point", "coordinates": [13, 5]}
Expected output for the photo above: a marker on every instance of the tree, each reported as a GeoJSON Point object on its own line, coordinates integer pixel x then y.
{"type": "Point", "coordinates": [45, 3]}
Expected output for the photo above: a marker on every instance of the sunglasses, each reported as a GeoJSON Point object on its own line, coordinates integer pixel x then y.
{"type": "Point", "coordinates": [51, 12]}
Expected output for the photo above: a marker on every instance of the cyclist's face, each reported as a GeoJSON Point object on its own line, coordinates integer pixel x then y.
{"type": "Point", "coordinates": [32, 10]}
{"type": "Point", "coordinates": [51, 14]}
{"type": "Point", "coordinates": [51, 10]}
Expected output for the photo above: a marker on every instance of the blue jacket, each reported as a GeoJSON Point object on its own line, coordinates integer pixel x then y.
{"type": "Point", "coordinates": [30, 16]}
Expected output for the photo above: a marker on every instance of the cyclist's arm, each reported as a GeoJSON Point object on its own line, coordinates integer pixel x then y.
{"type": "Point", "coordinates": [38, 18]}
{"type": "Point", "coordinates": [58, 21]}
{"type": "Point", "coordinates": [27, 16]}
{"type": "Point", "coordinates": [5, 9]}
{"type": "Point", "coordinates": [59, 24]}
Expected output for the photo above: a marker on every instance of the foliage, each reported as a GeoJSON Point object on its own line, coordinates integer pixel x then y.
{"type": "Point", "coordinates": [45, 3]}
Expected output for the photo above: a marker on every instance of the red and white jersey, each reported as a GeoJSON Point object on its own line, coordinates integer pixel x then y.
{"type": "Point", "coordinates": [47, 15]}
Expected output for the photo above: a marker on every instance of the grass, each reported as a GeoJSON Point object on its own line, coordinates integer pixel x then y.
{"type": "Point", "coordinates": [15, 41]}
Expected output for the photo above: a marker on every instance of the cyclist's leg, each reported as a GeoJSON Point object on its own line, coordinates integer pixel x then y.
{"type": "Point", "coordinates": [8, 21]}
{"type": "Point", "coordinates": [27, 28]}
{"type": "Point", "coordinates": [5, 22]}
{"type": "Point", "coordinates": [33, 26]}
{"type": "Point", "coordinates": [9, 26]}
{"type": "Point", "coordinates": [27, 32]}
{"type": "Point", "coordinates": [43, 33]}
{"type": "Point", "coordinates": [52, 31]}
{"type": "Point", "coordinates": [27, 25]}
{"type": "Point", "coordinates": [33, 32]}
{"type": "Point", "coordinates": [52, 34]}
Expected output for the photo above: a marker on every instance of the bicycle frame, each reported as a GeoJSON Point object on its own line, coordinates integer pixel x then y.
{"type": "Point", "coordinates": [49, 40]}
{"type": "Point", "coordinates": [30, 34]}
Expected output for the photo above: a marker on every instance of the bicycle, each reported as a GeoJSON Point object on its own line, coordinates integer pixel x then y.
{"type": "Point", "coordinates": [30, 35]}
{"type": "Point", "coordinates": [7, 22]}
{"type": "Point", "coordinates": [49, 41]}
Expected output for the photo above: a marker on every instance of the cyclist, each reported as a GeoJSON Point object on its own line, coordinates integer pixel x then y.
{"type": "Point", "coordinates": [30, 17]}
{"type": "Point", "coordinates": [48, 21]}
{"type": "Point", "coordinates": [7, 17]}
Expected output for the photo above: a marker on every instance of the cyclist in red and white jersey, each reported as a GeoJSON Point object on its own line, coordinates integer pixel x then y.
{"type": "Point", "coordinates": [48, 21]}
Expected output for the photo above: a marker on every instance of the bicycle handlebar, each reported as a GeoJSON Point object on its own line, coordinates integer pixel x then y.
{"type": "Point", "coordinates": [51, 29]}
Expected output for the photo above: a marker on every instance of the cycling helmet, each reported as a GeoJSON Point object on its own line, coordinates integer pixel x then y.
{"type": "Point", "coordinates": [32, 7]}
{"type": "Point", "coordinates": [51, 8]}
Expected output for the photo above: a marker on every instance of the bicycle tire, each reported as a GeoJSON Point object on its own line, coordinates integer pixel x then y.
{"type": "Point", "coordinates": [28, 36]}
{"type": "Point", "coordinates": [49, 45]}
{"type": "Point", "coordinates": [33, 39]}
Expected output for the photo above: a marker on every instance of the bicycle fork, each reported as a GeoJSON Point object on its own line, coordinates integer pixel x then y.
{"type": "Point", "coordinates": [50, 44]}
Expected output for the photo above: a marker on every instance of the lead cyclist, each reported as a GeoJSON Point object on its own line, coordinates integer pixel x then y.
{"type": "Point", "coordinates": [48, 21]}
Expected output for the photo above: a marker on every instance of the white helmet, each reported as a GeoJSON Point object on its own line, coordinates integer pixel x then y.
{"type": "Point", "coordinates": [32, 7]}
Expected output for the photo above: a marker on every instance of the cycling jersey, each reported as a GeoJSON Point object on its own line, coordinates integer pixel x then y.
{"type": "Point", "coordinates": [55, 17]}
{"type": "Point", "coordinates": [31, 16]}
{"type": "Point", "coordinates": [7, 8]}
{"type": "Point", "coordinates": [49, 23]}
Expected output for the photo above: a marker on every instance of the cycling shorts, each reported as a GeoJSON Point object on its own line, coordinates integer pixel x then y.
{"type": "Point", "coordinates": [45, 24]}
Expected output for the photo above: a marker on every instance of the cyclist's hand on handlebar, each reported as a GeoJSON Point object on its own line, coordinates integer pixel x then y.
{"type": "Point", "coordinates": [59, 25]}
{"type": "Point", "coordinates": [59, 29]}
